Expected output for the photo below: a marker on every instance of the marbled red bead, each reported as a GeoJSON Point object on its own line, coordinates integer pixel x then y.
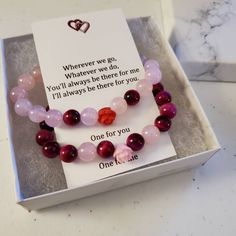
{"type": "Point", "coordinates": [43, 125]}
{"type": "Point", "coordinates": [135, 141]}
{"type": "Point", "coordinates": [162, 98]}
{"type": "Point", "coordinates": [132, 97]}
{"type": "Point", "coordinates": [163, 123]}
{"type": "Point", "coordinates": [68, 153]}
{"type": "Point", "coordinates": [51, 149]}
{"type": "Point", "coordinates": [105, 149]}
{"type": "Point", "coordinates": [44, 136]}
{"type": "Point", "coordinates": [168, 109]}
{"type": "Point", "coordinates": [71, 117]}
{"type": "Point", "coordinates": [157, 88]}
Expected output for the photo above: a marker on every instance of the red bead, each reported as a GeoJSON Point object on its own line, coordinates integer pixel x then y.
{"type": "Point", "coordinates": [43, 125]}
{"type": "Point", "coordinates": [135, 141]}
{"type": "Point", "coordinates": [71, 117]}
{"type": "Point", "coordinates": [168, 109]}
{"type": "Point", "coordinates": [44, 136]}
{"type": "Point", "coordinates": [163, 123]}
{"type": "Point", "coordinates": [106, 116]}
{"type": "Point", "coordinates": [157, 88]}
{"type": "Point", "coordinates": [68, 153]}
{"type": "Point", "coordinates": [132, 97]}
{"type": "Point", "coordinates": [162, 98]}
{"type": "Point", "coordinates": [105, 149]}
{"type": "Point", "coordinates": [51, 149]}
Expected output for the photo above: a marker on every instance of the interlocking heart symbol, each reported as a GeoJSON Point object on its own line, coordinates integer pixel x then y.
{"type": "Point", "coordinates": [79, 25]}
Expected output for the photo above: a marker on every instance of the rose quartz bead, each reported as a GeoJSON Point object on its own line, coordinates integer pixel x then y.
{"type": "Point", "coordinates": [89, 116]}
{"type": "Point", "coordinates": [87, 151]}
{"type": "Point", "coordinates": [151, 134]}
{"type": "Point", "coordinates": [151, 64]}
{"type": "Point", "coordinates": [26, 81]}
{"type": "Point", "coordinates": [37, 114]}
{"type": "Point", "coordinates": [154, 75]}
{"type": "Point", "coordinates": [22, 106]}
{"type": "Point", "coordinates": [36, 74]}
{"type": "Point", "coordinates": [144, 87]}
{"type": "Point", "coordinates": [119, 105]}
{"type": "Point", "coordinates": [53, 118]}
{"type": "Point", "coordinates": [18, 92]}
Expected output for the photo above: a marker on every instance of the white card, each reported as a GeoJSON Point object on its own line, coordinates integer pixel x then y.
{"type": "Point", "coordinates": [86, 61]}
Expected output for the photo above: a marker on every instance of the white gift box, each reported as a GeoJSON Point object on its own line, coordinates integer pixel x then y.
{"type": "Point", "coordinates": [41, 183]}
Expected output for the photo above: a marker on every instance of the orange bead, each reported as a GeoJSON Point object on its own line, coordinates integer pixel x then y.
{"type": "Point", "coordinates": [106, 116]}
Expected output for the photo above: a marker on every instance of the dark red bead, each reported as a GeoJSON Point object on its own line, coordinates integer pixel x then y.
{"type": "Point", "coordinates": [68, 153]}
{"type": "Point", "coordinates": [44, 136]}
{"type": "Point", "coordinates": [168, 109]}
{"type": "Point", "coordinates": [132, 97]}
{"type": "Point", "coordinates": [105, 149]}
{"type": "Point", "coordinates": [71, 117]}
{"type": "Point", "coordinates": [162, 98]}
{"type": "Point", "coordinates": [157, 88]}
{"type": "Point", "coordinates": [43, 125]}
{"type": "Point", "coordinates": [163, 123]}
{"type": "Point", "coordinates": [135, 141]}
{"type": "Point", "coordinates": [51, 149]}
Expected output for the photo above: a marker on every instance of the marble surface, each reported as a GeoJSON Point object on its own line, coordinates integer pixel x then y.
{"type": "Point", "coordinates": [194, 202]}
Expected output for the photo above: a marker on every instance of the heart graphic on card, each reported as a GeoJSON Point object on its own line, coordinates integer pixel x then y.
{"type": "Point", "coordinates": [79, 25]}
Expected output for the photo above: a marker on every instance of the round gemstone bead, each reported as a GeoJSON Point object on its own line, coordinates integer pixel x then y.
{"type": "Point", "coordinates": [37, 114]}
{"type": "Point", "coordinates": [87, 151]}
{"type": "Point", "coordinates": [162, 98]}
{"type": "Point", "coordinates": [119, 105]}
{"type": "Point", "coordinates": [144, 87]}
{"type": "Point", "coordinates": [135, 141]}
{"type": "Point", "coordinates": [150, 64]}
{"type": "Point", "coordinates": [18, 92]}
{"type": "Point", "coordinates": [105, 149]}
{"type": "Point", "coordinates": [44, 136]}
{"type": "Point", "coordinates": [51, 149]}
{"type": "Point", "coordinates": [36, 74]}
{"type": "Point", "coordinates": [89, 116]}
{"type": "Point", "coordinates": [132, 97]}
{"type": "Point", "coordinates": [68, 153]}
{"type": "Point", "coordinates": [169, 110]}
{"type": "Point", "coordinates": [71, 117]}
{"type": "Point", "coordinates": [153, 74]}
{"type": "Point", "coordinates": [26, 81]}
{"type": "Point", "coordinates": [53, 118]}
{"type": "Point", "coordinates": [163, 123]}
{"type": "Point", "coordinates": [151, 134]}
{"type": "Point", "coordinates": [106, 116]}
{"type": "Point", "coordinates": [22, 106]}
{"type": "Point", "coordinates": [43, 125]}
{"type": "Point", "coordinates": [157, 88]}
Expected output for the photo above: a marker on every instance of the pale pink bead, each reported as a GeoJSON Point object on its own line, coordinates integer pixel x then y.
{"type": "Point", "coordinates": [22, 106]}
{"type": "Point", "coordinates": [26, 81]}
{"type": "Point", "coordinates": [89, 116]}
{"type": "Point", "coordinates": [144, 87]}
{"type": "Point", "coordinates": [87, 151]}
{"type": "Point", "coordinates": [53, 118]}
{"type": "Point", "coordinates": [122, 153]}
{"type": "Point", "coordinates": [154, 75]}
{"type": "Point", "coordinates": [18, 92]}
{"type": "Point", "coordinates": [37, 114]}
{"type": "Point", "coordinates": [36, 74]}
{"type": "Point", "coordinates": [151, 134]}
{"type": "Point", "coordinates": [119, 105]}
{"type": "Point", "coordinates": [151, 64]}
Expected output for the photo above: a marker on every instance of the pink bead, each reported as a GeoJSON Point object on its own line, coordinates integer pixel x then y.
{"type": "Point", "coordinates": [87, 152]}
{"type": "Point", "coordinates": [154, 75]}
{"type": "Point", "coordinates": [122, 153]}
{"type": "Point", "coordinates": [119, 105]}
{"type": "Point", "coordinates": [151, 64]}
{"type": "Point", "coordinates": [26, 81]}
{"type": "Point", "coordinates": [53, 118]}
{"type": "Point", "coordinates": [22, 106]}
{"type": "Point", "coordinates": [151, 134]}
{"type": "Point", "coordinates": [36, 74]}
{"type": "Point", "coordinates": [144, 87]}
{"type": "Point", "coordinates": [37, 114]}
{"type": "Point", "coordinates": [168, 109]}
{"type": "Point", "coordinates": [18, 92]}
{"type": "Point", "coordinates": [89, 116]}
